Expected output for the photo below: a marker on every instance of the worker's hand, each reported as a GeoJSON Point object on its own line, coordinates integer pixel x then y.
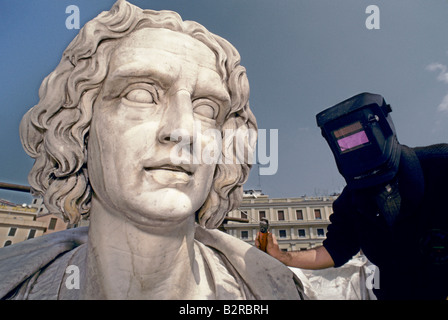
{"type": "Point", "coordinates": [272, 247]}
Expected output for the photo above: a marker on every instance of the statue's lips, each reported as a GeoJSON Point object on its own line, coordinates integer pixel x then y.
{"type": "Point", "coordinates": [169, 174]}
{"type": "Point", "coordinates": [184, 169]}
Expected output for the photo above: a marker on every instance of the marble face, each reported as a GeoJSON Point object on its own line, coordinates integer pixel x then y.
{"type": "Point", "coordinates": [159, 83]}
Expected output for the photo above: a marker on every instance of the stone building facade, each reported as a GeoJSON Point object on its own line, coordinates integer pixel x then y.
{"type": "Point", "coordinates": [298, 223]}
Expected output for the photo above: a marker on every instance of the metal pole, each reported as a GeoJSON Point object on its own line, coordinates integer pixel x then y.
{"type": "Point", "coordinates": [15, 187]}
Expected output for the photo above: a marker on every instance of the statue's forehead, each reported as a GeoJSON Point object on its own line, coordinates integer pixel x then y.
{"type": "Point", "coordinates": [171, 43]}
{"type": "Point", "coordinates": [167, 56]}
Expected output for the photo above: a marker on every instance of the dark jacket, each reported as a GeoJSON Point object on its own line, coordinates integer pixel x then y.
{"type": "Point", "coordinates": [412, 254]}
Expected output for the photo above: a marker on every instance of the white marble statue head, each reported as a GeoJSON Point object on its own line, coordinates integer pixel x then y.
{"type": "Point", "coordinates": [107, 116]}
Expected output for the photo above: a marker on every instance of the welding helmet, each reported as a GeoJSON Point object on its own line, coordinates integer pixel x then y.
{"type": "Point", "coordinates": [362, 137]}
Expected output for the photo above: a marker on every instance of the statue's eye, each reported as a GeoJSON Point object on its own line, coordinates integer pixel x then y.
{"type": "Point", "coordinates": [141, 93]}
{"type": "Point", "coordinates": [206, 108]}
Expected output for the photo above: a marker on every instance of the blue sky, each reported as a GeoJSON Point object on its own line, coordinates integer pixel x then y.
{"type": "Point", "coordinates": [301, 56]}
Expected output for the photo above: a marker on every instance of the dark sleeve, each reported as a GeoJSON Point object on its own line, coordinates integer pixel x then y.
{"type": "Point", "coordinates": [342, 241]}
{"type": "Point", "coordinates": [434, 162]}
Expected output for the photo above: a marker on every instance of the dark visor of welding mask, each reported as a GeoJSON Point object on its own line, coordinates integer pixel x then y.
{"type": "Point", "coordinates": [351, 137]}
{"type": "Point", "coordinates": [362, 138]}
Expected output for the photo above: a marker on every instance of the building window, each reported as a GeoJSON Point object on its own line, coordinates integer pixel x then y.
{"type": "Point", "coordinates": [281, 215]}
{"type": "Point", "coordinates": [320, 232]}
{"type": "Point", "coordinates": [52, 224]}
{"type": "Point", "coordinates": [243, 214]}
{"type": "Point", "coordinates": [244, 234]}
{"type": "Point", "coordinates": [12, 232]}
{"type": "Point", "coordinates": [299, 214]}
{"type": "Point", "coordinates": [261, 215]}
{"type": "Point", "coordinates": [31, 234]}
{"type": "Point", "coordinates": [301, 233]}
{"type": "Point", "coordinates": [7, 243]}
{"type": "Point", "coordinates": [282, 233]}
{"type": "Point", "coordinates": [317, 214]}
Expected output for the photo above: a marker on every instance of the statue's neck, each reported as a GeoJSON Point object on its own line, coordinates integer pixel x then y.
{"type": "Point", "coordinates": [129, 262]}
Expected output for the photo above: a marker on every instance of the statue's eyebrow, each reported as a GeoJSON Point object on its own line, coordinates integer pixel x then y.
{"type": "Point", "coordinates": [218, 90]}
{"type": "Point", "coordinates": [147, 71]}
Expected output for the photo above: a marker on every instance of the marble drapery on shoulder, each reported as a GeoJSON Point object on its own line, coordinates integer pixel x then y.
{"type": "Point", "coordinates": [36, 268]}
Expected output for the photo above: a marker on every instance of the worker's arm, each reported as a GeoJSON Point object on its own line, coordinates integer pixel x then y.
{"type": "Point", "coordinates": [316, 258]}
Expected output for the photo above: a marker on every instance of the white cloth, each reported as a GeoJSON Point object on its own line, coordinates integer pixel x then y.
{"type": "Point", "coordinates": [348, 282]}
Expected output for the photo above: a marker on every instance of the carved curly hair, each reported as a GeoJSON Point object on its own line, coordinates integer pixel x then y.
{"type": "Point", "coordinates": [55, 131]}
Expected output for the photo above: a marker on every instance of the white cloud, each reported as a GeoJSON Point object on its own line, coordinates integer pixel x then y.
{"type": "Point", "coordinates": [443, 106]}
{"type": "Point", "coordinates": [443, 77]}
